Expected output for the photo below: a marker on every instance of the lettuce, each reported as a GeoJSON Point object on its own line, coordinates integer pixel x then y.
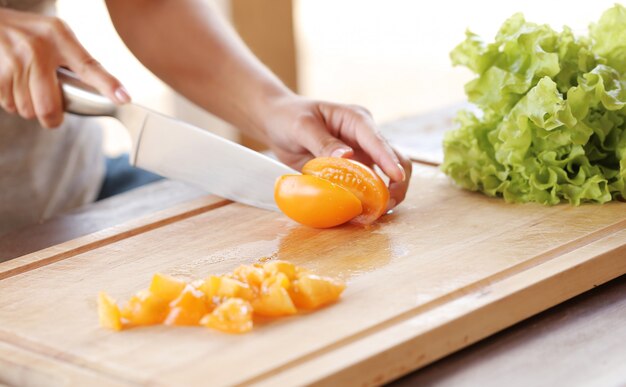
{"type": "Point", "coordinates": [551, 125]}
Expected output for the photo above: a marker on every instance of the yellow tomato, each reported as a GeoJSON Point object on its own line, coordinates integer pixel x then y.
{"type": "Point", "coordinates": [315, 202]}
{"type": "Point", "coordinates": [359, 179]}
{"type": "Point", "coordinates": [332, 191]}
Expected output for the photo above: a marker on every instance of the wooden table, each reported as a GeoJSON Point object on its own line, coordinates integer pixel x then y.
{"type": "Point", "coordinates": [578, 342]}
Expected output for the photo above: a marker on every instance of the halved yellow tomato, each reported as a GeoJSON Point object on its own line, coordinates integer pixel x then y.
{"type": "Point", "coordinates": [359, 179]}
{"type": "Point", "coordinates": [332, 191]}
{"type": "Point", "coordinates": [315, 202]}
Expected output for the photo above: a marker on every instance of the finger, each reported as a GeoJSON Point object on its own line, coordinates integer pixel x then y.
{"type": "Point", "coordinates": [362, 157]}
{"type": "Point", "coordinates": [6, 90]}
{"type": "Point", "coordinates": [356, 123]}
{"type": "Point", "coordinates": [377, 147]}
{"type": "Point", "coordinates": [46, 95]}
{"type": "Point", "coordinates": [89, 70]}
{"type": "Point", "coordinates": [21, 93]}
{"type": "Point", "coordinates": [8, 66]}
{"type": "Point", "coordinates": [398, 189]}
{"type": "Point", "coordinates": [315, 137]}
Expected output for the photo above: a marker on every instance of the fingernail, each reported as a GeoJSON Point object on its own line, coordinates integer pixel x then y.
{"type": "Point", "coordinates": [122, 95]}
{"type": "Point", "coordinates": [403, 171]}
{"type": "Point", "coordinates": [391, 204]}
{"type": "Point", "coordinates": [339, 152]}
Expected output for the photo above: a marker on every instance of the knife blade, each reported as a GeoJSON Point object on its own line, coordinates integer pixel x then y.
{"type": "Point", "coordinates": [180, 151]}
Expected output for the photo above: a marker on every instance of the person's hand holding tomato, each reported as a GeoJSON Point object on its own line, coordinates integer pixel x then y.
{"type": "Point", "coordinates": [299, 129]}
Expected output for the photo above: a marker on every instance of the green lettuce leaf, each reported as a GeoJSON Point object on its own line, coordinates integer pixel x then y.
{"type": "Point", "coordinates": [552, 122]}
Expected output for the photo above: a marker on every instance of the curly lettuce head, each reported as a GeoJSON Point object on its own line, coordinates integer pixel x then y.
{"type": "Point", "coordinates": [553, 122]}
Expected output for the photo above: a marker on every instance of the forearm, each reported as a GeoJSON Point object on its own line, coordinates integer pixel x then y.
{"type": "Point", "coordinates": [188, 45]}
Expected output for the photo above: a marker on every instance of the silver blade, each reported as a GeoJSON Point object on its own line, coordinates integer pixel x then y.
{"type": "Point", "coordinates": [180, 151]}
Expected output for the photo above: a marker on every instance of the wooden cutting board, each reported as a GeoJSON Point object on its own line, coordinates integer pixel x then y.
{"type": "Point", "coordinates": [448, 268]}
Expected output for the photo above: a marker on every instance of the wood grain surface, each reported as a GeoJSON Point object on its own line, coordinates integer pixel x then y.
{"type": "Point", "coordinates": [446, 269]}
{"type": "Point", "coordinates": [577, 343]}
{"type": "Point", "coordinates": [118, 209]}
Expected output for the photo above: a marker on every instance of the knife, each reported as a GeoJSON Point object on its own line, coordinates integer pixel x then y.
{"type": "Point", "coordinates": [179, 151]}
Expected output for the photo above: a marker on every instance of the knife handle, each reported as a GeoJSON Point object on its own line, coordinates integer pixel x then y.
{"type": "Point", "coordinates": [82, 99]}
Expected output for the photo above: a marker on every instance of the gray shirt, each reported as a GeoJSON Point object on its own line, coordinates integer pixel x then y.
{"type": "Point", "coordinates": [42, 171]}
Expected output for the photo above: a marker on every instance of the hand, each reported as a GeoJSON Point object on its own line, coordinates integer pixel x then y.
{"type": "Point", "coordinates": [299, 129]}
{"type": "Point", "coordinates": [32, 47]}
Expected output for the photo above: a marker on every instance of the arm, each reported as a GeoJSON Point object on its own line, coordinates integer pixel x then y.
{"type": "Point", "coordinates": [188, 45]}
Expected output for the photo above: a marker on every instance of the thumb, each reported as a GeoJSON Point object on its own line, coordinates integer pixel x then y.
{"type": "Point", "coordinates": [320, 142]}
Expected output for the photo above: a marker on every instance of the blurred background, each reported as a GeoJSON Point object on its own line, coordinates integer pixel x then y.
{"type": "Point", "coordinates": [389, 56]}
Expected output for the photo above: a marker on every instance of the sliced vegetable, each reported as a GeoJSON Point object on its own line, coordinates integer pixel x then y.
{"type": "Point", "coordinates": [108, 312]}
{"type": "Point", "coordinates": [315, 202]}
{"type": "Point", "coordinates": [145, 308]}
{"type": "Point", "coordinates": [232, 316]}
{"type": "Point", "coordinates": [357, 178]}
{"type": "Point", "coordinates": [166, 287]}
{"type": "Point", "coordinates": [310, 291]}
{"type": "Point", "coordinates": [227, 303]}
{"type": "Point", "coordinates": [286, 268]}
{"type": "Point", "coordinates": [188, 308]}
{"type": "Point", "coordinates": [274, 300]}
{"type": "Point", "coordinates": [332, 191]}
{"type": "Point", "coordinates": [223, 287]}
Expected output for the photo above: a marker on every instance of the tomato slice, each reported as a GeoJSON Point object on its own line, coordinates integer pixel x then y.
{"type": "Point", "coordinates": [108, 312]}
{"type": "Point", "coordinates": [314, 201]}
{"type": "Point", "coordinates": [310, 291]}
{"type": "Point", "coordinates": [232, 316]}
{"type": "Point", "coordinates": [359, 179]}
{"type": "Point", "coordinates": [144, 308]}
{"type": "Point", "coordinates": [166, 287]}
{"type": "Point", "coordinates": [187, 309]}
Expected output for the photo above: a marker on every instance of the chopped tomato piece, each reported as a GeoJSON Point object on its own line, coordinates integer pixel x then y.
{"type": "Point", "coordinates": [273, 301]}
{"type": "Point", "coordinates": [278, 279]}
{"type": "Point", "coordinates": [108, 312]}
{"type": "Point", "coordinates": [232, 316]}
{"type": "Point", "coordinates": [166, 287]}
{"type": "Point", "coordinates": [310, 291]}
{"type": "Point", "coordinates": [227, 302]}
{"type": "Point", "coordinates": [251, 275]}
{"type": "Point", "coordinates": [188, 308]}
{"type": "Point", "coordinates": [287, 268]}
{"type": "Point", "coordinates": [215, 286]}
{"type": "Point", "coordinates": [145, 308]}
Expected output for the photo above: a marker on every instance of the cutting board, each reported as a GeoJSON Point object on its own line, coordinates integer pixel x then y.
{"type": "Point", "coordinates": [447, 268]}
